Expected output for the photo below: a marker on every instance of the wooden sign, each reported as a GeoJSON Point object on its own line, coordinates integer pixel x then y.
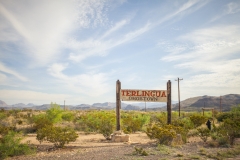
{"type": "Point", "coordinates": [143, 95]}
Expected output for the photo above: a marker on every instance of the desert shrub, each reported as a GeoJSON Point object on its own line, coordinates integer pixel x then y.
{"type": "Point", "coordinates": [198, 120]}
{"type": "Point", "coordinates": [214, 136]}
{"type": "Point", "coordinates": [225, 115]}
{"type": "Point", "coordinates": [203, 133]}
{"type": "Point", "coordinates": [186, 124]}
{"type": "Point", "coordinates": [5, 129]}
{"type": "Point", "coordinates": [54, 113]}
{"type": "Point", "coordinates": [163, 149]}
{"type": "Point", "coordinates": [87, 122]}
{"type": "Point", "coordinates": [159, 118]}
{"type": "Point", "coordinates": [220, 135]}
{"type": "Point", "coordinates": [19, 122]}
{"type": "Point", "coordinates": [133, 121]}
{"type": "Point", "coordinates": [14, 112]}
{"type": "Point", "coordinates": [57, 135]}
{"type": "Point", "coordinates": [140, 151]}
{"type": "Point", "coordinates": [236, 109]}
{"type": "Point", "coordinates": [107, 125]}
{"type": "Point", "coordinates": [2, 115]}
{"type": "Point", "coordinates": [163, 133]}
{"type": "Point", "coordinates": [223, 141]}
{"type": "Point", "coordinates": [68, 116]}
{"type": "Point", "coordinates": [232, 128]}
{"type": "Point", "coordinates": [192, 133]}
{"type": "Point", "coordinates": [41, 121]}
{"type": "Point", "coordinates": [103, 122]}
{"type": "Point", "coordinates": [213, 143]}
{"type": "Point", "coordinates": [235, 112]}
{"type": "Point", "coordinates": [10, 145]}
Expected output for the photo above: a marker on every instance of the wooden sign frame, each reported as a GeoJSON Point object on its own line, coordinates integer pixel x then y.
{"type": "Point", "coordinates": [118, 104]}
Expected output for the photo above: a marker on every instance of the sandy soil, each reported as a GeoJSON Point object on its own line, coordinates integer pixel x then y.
{"type": "Point", "coordinates": [95, 147]}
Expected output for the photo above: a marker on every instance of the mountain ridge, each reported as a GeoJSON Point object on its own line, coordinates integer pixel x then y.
{"type": "Point", "coordinates": [190, 104]}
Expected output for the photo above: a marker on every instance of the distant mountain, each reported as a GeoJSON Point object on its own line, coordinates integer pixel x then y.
{"type": "Point", "coordinates": [197, 103]}
{"type": "Point", "coordinates": [150, 104]}
{"type": "Point", "coordinates": [19, 105]}
{"type": "Point", "coordinates": [190, 104]}
{"type": "Point", "coordinates": [131, 107]}
{"type": "Point", "coordinates": [30, 105]}
{"type": "Point", "coordinates": [3, 104]}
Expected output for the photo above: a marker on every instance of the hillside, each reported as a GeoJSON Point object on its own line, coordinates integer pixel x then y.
{"type": "Point", "coordinates": [94, 106]}
{"type": "Point", "coordinates": [197, 103]}
{"type": "Point", "coordinates": [190, 104]}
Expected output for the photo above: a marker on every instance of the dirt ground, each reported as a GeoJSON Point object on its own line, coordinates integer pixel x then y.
{"type": "Point", "coordinates": [95, 147]}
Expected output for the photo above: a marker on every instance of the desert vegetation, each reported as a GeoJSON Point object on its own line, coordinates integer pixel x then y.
{"type": "Point", "coordinates": [62, 127]}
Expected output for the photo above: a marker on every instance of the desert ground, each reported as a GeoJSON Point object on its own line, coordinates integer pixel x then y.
{"type": "Point", "coordinates": [95, 147]}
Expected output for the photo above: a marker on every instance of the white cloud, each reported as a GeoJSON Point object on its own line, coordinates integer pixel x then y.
{"type": "Point", "coordinates": [3, 78]}
{"type": "Point", "coordinates": [7, 70]}
{"type": "Point", "coordinates": [43, 26]}
{"type": "Point", "coordinates": [185, 9]}
{"type": "Point", "coordinates": [92, 12]}
{"type": "Point", "coordinates": [118, 26]}
{"type": "Point", "coordinates": [90, 84]}
{"type": "Point", "coordinates": [233, 8]}
{"type": "Point", "coordinates": [98, 47]}
{"type": "Point", "coordinates": [210, 60]}
{"type": "Point", "coordinates": [25, 96]}
{"type": "Point", "coordinates": [230, 8]}
{"type": "Point", "coordinates": [208, 44]}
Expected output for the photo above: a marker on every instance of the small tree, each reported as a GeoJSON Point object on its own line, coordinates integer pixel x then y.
{"type": "Point", "coordinates": [68, 116]}
{"type": "Point", "coordinates": [57, 135]}
{"type": "Point", "coordinates": [164, 134]}
{"type": "Point", "coordinates": [10, 145]}
{"type": "Point", "coordinates": [107, 125]}
{"type": "Point", "coordinates": [204, 133]}
{"type": "Point", "coordinates": [198, 120]}
{"type": "Point", "coordinates": [41, 121]}
{"type": "Point", "coordinates": [232, 128]}
{"type": "Point", "coordinates": [133, 122]}
{"type": "Point", "coordinates": [55, 113]}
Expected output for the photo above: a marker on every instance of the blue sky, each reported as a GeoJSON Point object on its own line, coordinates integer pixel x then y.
{"type": "Point", "coordinates": [76, 50]}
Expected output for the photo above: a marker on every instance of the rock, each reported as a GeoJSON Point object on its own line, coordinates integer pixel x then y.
{"type": "Point", "coordinates": [119, 136]}
{"type": "Point", "coordinates": [177, 140]}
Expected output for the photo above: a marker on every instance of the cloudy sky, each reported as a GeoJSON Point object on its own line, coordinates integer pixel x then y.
{"type": "Point", "coordinates": [76, 50]}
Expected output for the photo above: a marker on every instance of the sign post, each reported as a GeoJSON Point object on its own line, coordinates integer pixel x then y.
{"type": "Point", "coordinates": [118, 105]}
{"type": "Point", "coordinates": [169, 103]}
{"type": "Point", "coordinates": [142, 96]}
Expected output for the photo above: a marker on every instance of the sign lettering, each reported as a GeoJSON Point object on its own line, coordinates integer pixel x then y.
{"type": "Point", "coordinates": [143, 95]}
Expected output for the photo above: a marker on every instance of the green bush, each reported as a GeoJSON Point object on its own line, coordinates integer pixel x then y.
{"type": "Point", "coordinates": [107, 125]}
{"type": "Point", "coordinates": [225, 115]}
{"type": "Point", "coordinates": [232, 128]}
{"type": "Point", "coordinates": [163, 133]}
{"type": "Point", "coordinates": [159, 118]}
{"type": "Point", "coordinates": [103, 122]}
{"type": "Point", "coordinates": [2, 115]}
{"type": "Point", "coordinates": [68, 116]}
{"type": "Point", "coordinates": [41, 121]}
{"type": "Point", "coordinates": [140, 151]}
{"type": "Point", "coordinates": [54, 113]}
{"type": "Point", "coordinates": [10, 145]}
{"type": "Point", "coordinates": [4, 130]}
{"type": "Point", "coordinates": [198, 120]}
{"type": "Point", "coordinates": [186, 124]}
{"type": "Point", "coordinates": [223, 141]}
{"type": "Point", "coordinates": [204, 133]}
{"type": "Point", "coordinates": [235, 112]}
{"type": "Point", "coordinates": [132, 121]}
{"type": "Point", "coordinates": [57, 135]}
